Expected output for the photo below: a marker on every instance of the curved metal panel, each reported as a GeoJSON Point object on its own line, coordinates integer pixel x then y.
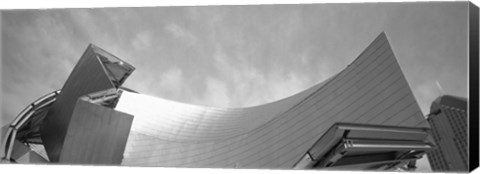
{"type": "Point", "coordinates": [372, 89]}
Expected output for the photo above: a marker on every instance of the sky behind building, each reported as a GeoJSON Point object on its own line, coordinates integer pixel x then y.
{"type": "Point", "coordinates": [233, 56]}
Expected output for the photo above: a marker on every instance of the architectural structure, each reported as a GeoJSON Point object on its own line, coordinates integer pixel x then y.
{"type": "Point", "coordinates": [366, 110]}
{"type": "Point", "coordinates": [448, 118]}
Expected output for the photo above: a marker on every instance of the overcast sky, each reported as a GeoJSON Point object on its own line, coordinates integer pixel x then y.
{"type": "Point", "coordinates": [233, 56]}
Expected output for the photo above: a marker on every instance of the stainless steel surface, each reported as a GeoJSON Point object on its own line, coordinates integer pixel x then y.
{"type": "Point", "coordinates": [96, 135]}
{"type": "Point", "coordinates": [90, 74]}
{"type": "Point", "coordinates": [372, 89]}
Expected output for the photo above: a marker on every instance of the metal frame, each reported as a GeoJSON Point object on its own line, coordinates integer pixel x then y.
{"type": "Point", "coordinates": [29, 112]}
{"type": "Point", "coordinates": [367, 146]}
{"type": "Point", "coordinates": [23, 117]}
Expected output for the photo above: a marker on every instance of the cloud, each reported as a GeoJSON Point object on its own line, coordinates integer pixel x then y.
{"type": "Point", "coordinates": [142, 41]}
{"type": "Point", "coordinates": [425, 93]}
{"type": "Point", "coordinates": [286, 86]}
{"type": "Point", "coordinates": [249, 86]}
{"type": "Point", "coordinates": [181, 33]}
{"type": "Point", "coordinates": [216, 93]}
{"type": "Point", "coordinates": [171, 82]}
{"type": "Point", "coordinates": [35, 61]}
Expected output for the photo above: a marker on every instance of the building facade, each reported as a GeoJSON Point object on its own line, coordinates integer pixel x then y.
{"type": "Point", "coordinates": [94, 120]}
{"type": "Point", "coordinates": [448, 120]}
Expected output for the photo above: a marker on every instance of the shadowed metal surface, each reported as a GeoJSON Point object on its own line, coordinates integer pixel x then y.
{"type": "Point", "coordinates": [350, 146]}
{"type": "Point", "coordinates": [90, 74]}
{"type": "Point", "coordinates": [371, 90]}
{"type": "Point", "coordinates": [96, 135]}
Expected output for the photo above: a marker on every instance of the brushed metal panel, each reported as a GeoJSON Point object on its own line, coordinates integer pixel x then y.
{"type": "Point", "coordinates": [272, 135]}
{"type": "Point", "coordinates": [87, 76]}
{"type": "Point", "coordinates": [96, 135]}
{"type": "Point", "coordinates": [19, 149]}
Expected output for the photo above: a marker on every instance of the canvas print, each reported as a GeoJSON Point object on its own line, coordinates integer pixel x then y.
{"type": "Point", "coordinates": [353, 86]}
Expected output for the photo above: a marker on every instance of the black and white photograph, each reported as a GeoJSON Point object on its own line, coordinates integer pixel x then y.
{"type": "Point", "coordinates": [357, 86]}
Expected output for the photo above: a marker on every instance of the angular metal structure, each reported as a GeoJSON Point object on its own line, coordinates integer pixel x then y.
{"type": "Point", "coordinates": [350, 146]}
{"type": "Point", "coordinates": [95, 71]}
{"type": "Point", "coordinates": [370, 91]}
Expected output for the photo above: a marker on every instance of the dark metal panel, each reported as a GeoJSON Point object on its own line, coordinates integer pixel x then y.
{"type": "Point", "coordinates": [357, 143]}
{"type": "Point", "coordinates": [88, 76]}
{"type": "Point", "coordinates": [96, 135]}
{"type": "Point", "coordinates": [3, 137]}
{"type": "Point", "coordinates": [328, 140]}
{"type": "Point", "coordinates": [19, 149]}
